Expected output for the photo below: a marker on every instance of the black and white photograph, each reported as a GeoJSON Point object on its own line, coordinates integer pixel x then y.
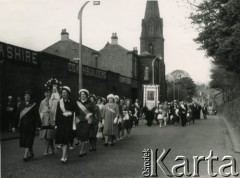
{"type": "Point", "coordinates": [120, 88]}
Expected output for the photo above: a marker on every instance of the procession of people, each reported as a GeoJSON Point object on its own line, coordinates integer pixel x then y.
{"type": "Point", "coordinates": [67, 121]}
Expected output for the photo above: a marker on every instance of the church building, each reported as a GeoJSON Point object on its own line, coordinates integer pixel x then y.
{"type": "Point", "coordinates": [132, 68]}
{"type": "Point", "coordinates": [113, 69]}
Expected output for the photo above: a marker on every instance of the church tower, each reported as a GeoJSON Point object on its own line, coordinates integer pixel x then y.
{"type": "Point", "coordinates": [152, 46]}
{"type": "Point", "coordinates": [151, 39]}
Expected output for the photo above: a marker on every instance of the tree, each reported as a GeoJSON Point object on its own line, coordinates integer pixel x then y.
{"type": "Point", "coordinates": [218, 22]}
{"type": "Point", "coordinates": [181, 89]}
{"type": "Point", "coordinates": [225, 81]}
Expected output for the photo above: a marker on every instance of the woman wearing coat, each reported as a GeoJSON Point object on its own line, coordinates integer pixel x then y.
{"type": "Point", "coordinates": [110, 116]}
{"type": "Point", "coordinates": [29, 120]}
{"type": "Point", "coordinates": [64, 122]}
{"type": "Point", "coordinates": [128, 116]}
{"type": "Point", "coordinates": [47, 131]}
{"type": "Point", "coordinates": [86, 122]}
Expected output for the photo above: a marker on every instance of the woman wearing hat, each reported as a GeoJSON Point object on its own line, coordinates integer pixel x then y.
{"type": "Point", "coordinates": [100, 105]}
{"type": "Point", "coordinates": [86, 120]}
{"type": "Point", "coordinates": [47, 131]}
{"type": "Point", "coordinates": [92, 98]}
{"type": "Point", "coordinates": [94, 125]}
{"type": "Point", "coordinates": [28, 121]}
{"type": "Point", "coordinates": [128, 121]}
{"type": "Point", "coordinates": [64, 122]}
{"type": "Point", "coordinates": [110, 115]}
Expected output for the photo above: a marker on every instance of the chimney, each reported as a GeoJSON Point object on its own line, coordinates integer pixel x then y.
{"type": "Point", "coordinates": [64, 35]}
{"type": "Point", "coordinates": [135, 50]}
{"type": "Point", "coordinates": [114, 39]}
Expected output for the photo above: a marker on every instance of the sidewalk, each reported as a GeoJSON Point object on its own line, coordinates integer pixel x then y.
{"type": "Point", "coordinates": [233, 133]}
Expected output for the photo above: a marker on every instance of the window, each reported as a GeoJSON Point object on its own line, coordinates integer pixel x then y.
{"type": "Point", "coordinates": [146, 73]}
{"type": "Point", "coordinates": [151, 49]}
{"type": "Point", "coordinates": [151, 28]}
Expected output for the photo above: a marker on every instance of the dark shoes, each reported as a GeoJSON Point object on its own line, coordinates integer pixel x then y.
{"type": "Point", "coordinates": [30, 157]}
{"type": "Point", "coordinates": [106, 144]}
{"type": "Point", "coordinates": [92, 149]}
{"type": "Point", "coordinates": [25, 159]}
{"type": "Point", "coordinates": [81, 155]}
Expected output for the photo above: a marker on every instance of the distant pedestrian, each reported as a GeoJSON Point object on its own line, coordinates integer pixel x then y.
{"type": "Point", "coordinates": [128, 116]}
{"type": "Point", "coordinates": [136, 112]}
{"type": "Point", "coordinates": [101, 108]}
{"type": "Point", "coordinates": [148, 115]}
{"type": "Point", "coordinates": [117, 135]}
{"type": "Point", "coordinates": [29, 120]}
{"type": "Point", "coordinates": [165, 113]}
{"type": "Point", "coordinates": [198, 111]}
{"type": "Point", "coordinates": [189, 114]}
{"type": "Point", "coordinates": [183, 113]}
{"type": "Point", "coordinates": [159, 115]}
{"type": "Point", "coordinates": [205, 111]}
{"type": "Point", "coordinates": [9, 116]}
{"type": "Point", "coordinates": [94, 126]}
{"type": "Point", "coordinates": [120, 120]}
{"type": "Point", "coordinates": [92, 98]}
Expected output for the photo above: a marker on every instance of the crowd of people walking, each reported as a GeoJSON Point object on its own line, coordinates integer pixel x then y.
{"type": "Point", "coordinates": [67, 122]}
{"type": "Point", "coordinates": [182, 113]}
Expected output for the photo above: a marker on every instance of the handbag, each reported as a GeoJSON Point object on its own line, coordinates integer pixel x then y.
{"type": "Point", "coordinates": [99, 133]}
{"type": "Point", "coordinates": [115, 120]}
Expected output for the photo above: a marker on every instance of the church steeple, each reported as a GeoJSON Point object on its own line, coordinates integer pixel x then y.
{"type": "Point", "coordinates": [151, 39]}
{"type": "Point", "coordinates": [152, 9]}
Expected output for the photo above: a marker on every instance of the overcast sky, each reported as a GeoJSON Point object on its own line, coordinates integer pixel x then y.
{"type": "Point", "coordinates": [37, 24]}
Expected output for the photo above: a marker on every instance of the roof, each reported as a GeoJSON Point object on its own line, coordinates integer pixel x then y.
{"type": "Point", "coordinates": [114, 46]}
{"type": "Point", "coordinates": [66, 48]}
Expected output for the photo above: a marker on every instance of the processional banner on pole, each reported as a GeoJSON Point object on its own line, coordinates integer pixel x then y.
{"type": "Point", "coordinates": [150, 96]}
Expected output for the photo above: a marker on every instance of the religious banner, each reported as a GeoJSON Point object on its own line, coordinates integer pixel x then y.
{"type": "Point", "coordinates": [150, 96]}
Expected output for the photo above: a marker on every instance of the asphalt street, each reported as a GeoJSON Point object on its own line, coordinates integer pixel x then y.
{"type": "Point", "coordinates": [125, 158]}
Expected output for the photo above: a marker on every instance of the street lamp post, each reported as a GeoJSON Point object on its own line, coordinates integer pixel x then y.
{"type": "Point", "coordinates": [178, 93]}
{"type": "Point", "coordinates": [80, 46]}
{"type": "Point", "coordinates": [159, 58]}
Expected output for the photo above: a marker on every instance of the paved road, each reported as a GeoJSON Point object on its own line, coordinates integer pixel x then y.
{"type": "Point", "coordinates": [125, 159]}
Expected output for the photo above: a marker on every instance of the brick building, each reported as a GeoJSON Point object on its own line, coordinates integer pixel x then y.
{"type": "Point", "coordinates": [113, 69]}
{"type": "Point", "coordinates": [22, 69]}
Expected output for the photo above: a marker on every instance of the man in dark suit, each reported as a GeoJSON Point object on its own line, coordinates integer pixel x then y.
{"type": "Point", "coordinates": [198, 110]}
{"type": "Point", "coordinates": [183, 113]}
{"type": "Point", "coordinates": [204, 111]}
{"type": "Point", "coordinates": [194, 112]}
